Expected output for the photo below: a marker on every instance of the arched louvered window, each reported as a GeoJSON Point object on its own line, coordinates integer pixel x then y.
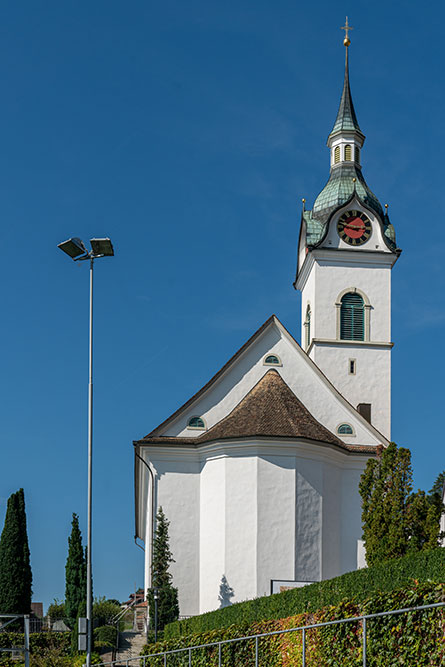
{"type": "Point", "coordinates": [308, 326]}
{"type": "Point", "coordinates": [357, 154]}
{"type": "Point", "coordinates": [196, 422]}
{"type": "Point", "coordinates": [272, 360]}
{"type": "Point", "coordinates": [348, 152]}
{"type": "Point", "coordinates": [352, 317]}
{"type": "Point", "coordinates": [345, 429]}
{"type": "Point", "coordinates": [336, 154]}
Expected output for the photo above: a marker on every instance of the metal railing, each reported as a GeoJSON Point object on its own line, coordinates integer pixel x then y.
{"type": "Point", "coordinates": [13, 649]}
{"type": "Point", "coordinates": [144, 659]}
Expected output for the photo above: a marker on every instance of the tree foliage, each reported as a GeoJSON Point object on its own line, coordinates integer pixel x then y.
{"type": "Point", "coordinates": [396, 521]}
{"type": "Point", "coordinates": [15, 567]}
{"type": "Point", "coordinates": [168, 608]}
{"type": "Point", "coordinates": [56, 610]}
{"type": "Point", "coordinates": [105, 611]}
{"type": "Point", "coordinates": [438, 484]}
{"type": "Point", "coordinates": [75, 573]}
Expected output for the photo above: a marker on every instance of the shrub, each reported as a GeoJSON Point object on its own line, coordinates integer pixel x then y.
{"type": "Point", "coordinates": [360, 584]}
{"type": "Point", "coordinates": [414, 638]}
{"type": "Point", "coordinates": [105, 635]}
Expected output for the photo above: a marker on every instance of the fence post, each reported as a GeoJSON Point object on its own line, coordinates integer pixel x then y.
{"type": "Point", "coordinates": [304, 648]}
{"type": "Point", "coordinates": [364, 641]}
{"type": "Point", "coordinates": [256, 651]}
{"type": "Point", "coordinates": [219, 655]}
{"type": "Point", "coordinates": [190, 657]}
{"type": "Point", "coordinates": [165, 659]}
{"type": "Point", "coordinates": [26, 619]}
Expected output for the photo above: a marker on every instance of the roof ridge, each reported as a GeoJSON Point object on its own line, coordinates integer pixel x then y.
{"type": "Point", "coordinates": [214, 377]}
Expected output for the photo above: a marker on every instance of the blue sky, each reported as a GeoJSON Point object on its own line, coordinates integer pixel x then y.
{"type": "Point", "coordinates": [188, 133]}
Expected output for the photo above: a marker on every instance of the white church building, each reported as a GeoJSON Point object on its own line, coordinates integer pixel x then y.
{"type": "Point", "coordinates": [258, 472]}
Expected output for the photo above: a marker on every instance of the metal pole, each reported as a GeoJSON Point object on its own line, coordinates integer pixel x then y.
{"type": "Point", "coordinates": [364, 641]}
{"type": "Point", "coordinates": [90, 476]}
{"type": "Point", "coordinates": [156, 617]}
{"type": "Point", "coordinates": [304, 647]}
{"type": "Point", "coordinates": [190, 657]}
{"type": "Point", "coordinates": [256, 651]}
{"type": "Point", "coordinates": [26, 640]}
{"type": "Point", "coordinates": [219, 655]}
{"type": "Point", "coordinates": [165, 659]}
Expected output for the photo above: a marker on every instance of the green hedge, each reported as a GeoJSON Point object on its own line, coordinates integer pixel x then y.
{"type": "Point", "coordinates": [38, 641]}
{"type": "Point", "coordinates": [358, 585]}
{"type": "Point", "coordinates": [414, 638]}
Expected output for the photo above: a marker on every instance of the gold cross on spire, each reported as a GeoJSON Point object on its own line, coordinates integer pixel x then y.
{"type": "Point", "coordinates": [346, 28]}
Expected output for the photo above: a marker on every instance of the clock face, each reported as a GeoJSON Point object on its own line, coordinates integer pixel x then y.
{"type": "Point", "coordinates": [354, 227]}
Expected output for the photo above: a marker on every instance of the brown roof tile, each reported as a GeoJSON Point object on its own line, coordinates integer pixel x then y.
{"type": "Point", "coordinates": [270, 409]}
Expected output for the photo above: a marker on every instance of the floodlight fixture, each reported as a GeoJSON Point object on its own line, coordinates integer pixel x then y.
{"type": "Point", "coordinates": [102, 247]}
{"type": "Point", "coordinates": [76, 249]}
{"type": "Point", "coordinates": [73, 247]}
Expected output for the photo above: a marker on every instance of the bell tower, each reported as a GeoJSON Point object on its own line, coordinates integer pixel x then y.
{"type": "Point", "coordinates": [346, 252]}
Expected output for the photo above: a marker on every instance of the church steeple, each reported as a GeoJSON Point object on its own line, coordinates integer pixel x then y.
{"type": "Point", "coordinates": [346, 117]}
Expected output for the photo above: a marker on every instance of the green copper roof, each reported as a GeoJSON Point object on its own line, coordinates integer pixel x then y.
{"type": "Point", "coordinates": [340, 188]}
{"type": "Point", "coordinates": [346, 118]}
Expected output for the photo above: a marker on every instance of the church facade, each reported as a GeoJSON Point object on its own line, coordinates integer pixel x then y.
{"type": "Point", "coordinates": [258, 472]}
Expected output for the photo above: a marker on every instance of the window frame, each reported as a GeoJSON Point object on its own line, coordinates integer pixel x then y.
{"type": "Point", "coordinates": [196, 428]}
{"type": "Point", "coordinates": [269, 363]}
{"type": "Point", "coordinates": [346, 435]}
{"type": "Point", "coordinates": [367, 314]}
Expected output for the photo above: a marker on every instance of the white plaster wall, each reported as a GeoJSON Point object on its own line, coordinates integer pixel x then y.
{"type": "Point", "coordinates": [276, 519]}
{"type": "Point", "coordinates": [332, 517]}
{"type": "Point", "coordinates": [178, 492]}
{"type": "Point", "coordinates": [308, 297]}
{"type": "Point", "coordinates": [241, 526]}
{"type": "Point", "coordinates": [256, 511]}
{"type": "Point", "coordinates": [308, 520]}
{"type": "Point", "coordinates": [304, 380]}
{"type": "Point", "coordinates": [331, 278]}
{"type": "Point", "coordinates": [351, 510]}
{"type": "Point", "coordinates": [212, 536]}
{"type": "Point", "coordinates": [371, 382]}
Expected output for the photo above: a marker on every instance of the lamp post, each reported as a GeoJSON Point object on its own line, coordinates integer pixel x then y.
{"type": "Point", "coordinates": [156, 598]}
{"type": "Point", "coordinates": [76, 249]}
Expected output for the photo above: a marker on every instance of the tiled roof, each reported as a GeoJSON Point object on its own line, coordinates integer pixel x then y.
{"type": "Point", "coordinates": [346, 118]}
{"type": "Point", "coordinates": [270, 409]}
{"type": "Point", "coordinates": [339, 189]}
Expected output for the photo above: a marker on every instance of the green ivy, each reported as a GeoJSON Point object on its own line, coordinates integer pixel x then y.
{"type": "Point", "coordinates": [413, 638]}
{"type": "Point", "coordinates": [360, 584]}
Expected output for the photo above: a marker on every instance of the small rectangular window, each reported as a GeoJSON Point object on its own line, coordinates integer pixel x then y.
{"type": "Point", "coordinates": [351, 366]}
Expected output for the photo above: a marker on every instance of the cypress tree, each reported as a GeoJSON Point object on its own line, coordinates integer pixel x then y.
{"type": "Point", "coordinates": [75, 573]}
{"type": "Point", "coordinates": [15, 567]}
{"type": "Point", "coordinates": [396, 521]}
{"type": "Point", "coordinates": [168, 607]}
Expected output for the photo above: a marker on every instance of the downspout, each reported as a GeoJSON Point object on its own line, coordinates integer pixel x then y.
{"type": "Point", "coordinates": [152, 505]}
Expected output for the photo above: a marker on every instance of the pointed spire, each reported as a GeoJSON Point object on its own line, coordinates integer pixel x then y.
{"type": "Point", "coordinates": [346, 118]}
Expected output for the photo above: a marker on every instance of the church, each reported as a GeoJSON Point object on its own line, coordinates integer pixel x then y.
{"type": "Point", "coordinates": [258, 472]}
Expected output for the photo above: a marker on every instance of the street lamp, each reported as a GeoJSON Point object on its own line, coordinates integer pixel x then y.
{"type": "Point", "coordinates": [156, 598]}
{"type": "Point", "coordinates": [76, 249]}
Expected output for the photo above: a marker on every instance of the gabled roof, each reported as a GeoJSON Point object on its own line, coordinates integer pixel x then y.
{"type": "Point", "coordinates": [213, 379]}
{"type": "Point", "coordinates": [270, 409]}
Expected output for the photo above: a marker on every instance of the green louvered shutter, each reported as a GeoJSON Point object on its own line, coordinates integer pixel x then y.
{"type": "Point", "coordinates": [352, 317]}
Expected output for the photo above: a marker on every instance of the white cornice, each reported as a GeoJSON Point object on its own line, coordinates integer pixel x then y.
{"type": "Point", "coordinates": [345, 257]}
{"type": "Point", "coordinates": [291, 447]}
{"type": "Point", "coordinates": [333, 342]}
